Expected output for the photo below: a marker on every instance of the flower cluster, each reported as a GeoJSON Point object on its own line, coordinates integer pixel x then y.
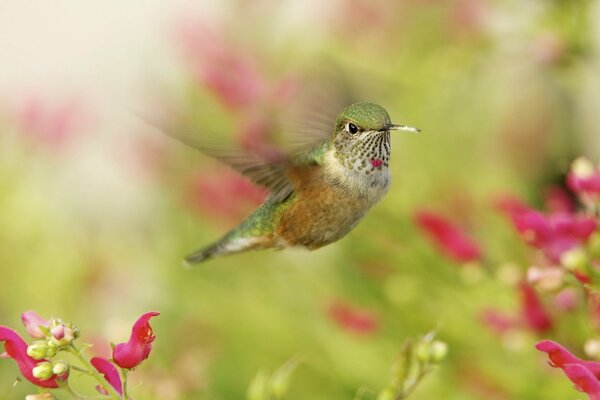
{"type": "Point", "coordinates": [566, 268]}
{"type": "Point", "coordinates": [38, 362]}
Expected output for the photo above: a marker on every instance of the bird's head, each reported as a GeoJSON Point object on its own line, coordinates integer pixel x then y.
{"type": "Point", "coordinates": [362, 132]}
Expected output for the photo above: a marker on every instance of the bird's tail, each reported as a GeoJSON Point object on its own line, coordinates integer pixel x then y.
{"type": "Point", "coordinates": [225, 246]}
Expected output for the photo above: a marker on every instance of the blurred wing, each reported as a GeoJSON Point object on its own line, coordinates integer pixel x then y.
{"type": "Point", "coordinates": [270, 174]}
{"type": "Point", "coordinates": [312, 115]}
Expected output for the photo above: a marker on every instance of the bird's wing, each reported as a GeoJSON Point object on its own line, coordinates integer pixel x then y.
{"type": "Point", "coordinates": [266, 172]}
{"type": "Point", "coordinates": [311, 117]}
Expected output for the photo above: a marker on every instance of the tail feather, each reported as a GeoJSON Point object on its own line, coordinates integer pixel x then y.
{"type": "Point", "coordinates": [223, 247]}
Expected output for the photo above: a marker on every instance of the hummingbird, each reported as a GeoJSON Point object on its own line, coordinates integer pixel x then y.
{"type": "Point", "coordinates": [316, 196]}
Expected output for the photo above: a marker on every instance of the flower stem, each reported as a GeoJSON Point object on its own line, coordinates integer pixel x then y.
{"type": "Point", "coordinates": [92, 371]}
{"type": "Point", "coordinates": [124, 372]}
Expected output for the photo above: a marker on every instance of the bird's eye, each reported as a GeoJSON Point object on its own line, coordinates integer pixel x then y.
{"type": "Point", "coordinates": [352, 128]}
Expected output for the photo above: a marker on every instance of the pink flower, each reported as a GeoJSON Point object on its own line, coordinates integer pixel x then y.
{"type": "Point", "coordinates": [137, 349]}
{"type": "Point", "coordinates": [50, 123]}
{"type": "Point", "coordinates": [559, 357]}
{"type": "Point", "coordinates": [110, 373]}
{"type": "Point", "coordinates": [16, 348]}
{"type": "Point", "coordinates": [584, 179]}
{"type": "Point", "coordinates": [584, 374]}
{"type": "Point", "coordinates": [497, 321]}
{"type": "Point", "coordinates": [567, 299]}
{"type": "Point", "coordinates": [533, 312]}
{"type": "Point", "coordinates": [352, 319]}
{"type": "Point", "coordinates": [225, 194]}
{"type": "Point", "coordinates": [449, 239]}
{"type": "Point", "coordinates": [557, 200]}
{"type": "Point", "coordinates": [553, 234]}
{"type": "Point", "coordinates": [230, 73]}
{"type": "Point", "coordinates": [33, 322]}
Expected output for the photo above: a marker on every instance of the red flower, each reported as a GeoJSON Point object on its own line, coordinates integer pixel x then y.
{"type": "Point", "coordinates": [448, 238]}
{"type": "Point", "coordinates": [533, 313]}
{"type": "Point", "coordinates": [352, 319]}
{"type": "Point", "coordinates": [16, 348]}
{"type": "Point", "coordinates": [553, 234]}
{"type": "Point", "coordinates": [137, 349]}
{"type": "Point", "coordinates": [584, 374]}
{"type": "Point", "coordinates": [33, 322]}
{"type": "Point", "coordinates": [110, 373]}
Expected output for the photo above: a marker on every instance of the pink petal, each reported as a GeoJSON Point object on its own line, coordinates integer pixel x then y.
{"type": "Point", "coordinates": [109, 371]}
{"type": "Point", "coordinates": [533, 312]}
{"type": "Point", "coordinates": [137, 349]}
{"type": "Point", "coordinates": [447, 237]}
{"type": "Point", "coordinates": [559, 357]}
{"type": "Point", "coordinates": [583, 379]}
{"type": "Point", "coordinates": [16, 348]}
{"type": "Point", "coordinates": [33, 322]}
{"type": "Point", "coordinates": [496, 321]}
{"type": "Point", "coordinates": [558, 200]}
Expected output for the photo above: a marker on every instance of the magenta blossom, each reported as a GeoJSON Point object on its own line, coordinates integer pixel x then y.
{"type": "Point", "coordinates": [33, 322]}
{"type": "Point", "coordinates": [110, 373]}
{"type": "Point", "coordinates": [534, 315]}
{"type": "Point", "coordinates": [16, 348]}
{"type": "Point", "coordinates": [584, 374]}
{"type": "Point", "coordinates": [448, 238]}
{"type": "Point", "coordinates": [137, 349]}
{"type": "Point", "coordinates": [554, 234]}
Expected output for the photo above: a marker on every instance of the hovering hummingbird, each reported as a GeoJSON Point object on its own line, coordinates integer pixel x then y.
{"type": "Point", "coordinates": [318, 195]}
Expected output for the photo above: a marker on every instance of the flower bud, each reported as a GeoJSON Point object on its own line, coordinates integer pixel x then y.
{"type": "Point", "coordinates": [582, 168]}
{"type": "Point", "coordinates": [62, 335]}
{"type": "Point", "coordinates": [52, 349]}
{"type": "Point", "coordinates": [592, 348]}
{"type": "Point", "coordinates": [36, 326]}
{"type": "Point", "coordinates": [60, 368]}
{"type": "Point", "coordinates": [42, 371]}
{"type": "Point", "coordinates": [547, 279]}
{"type": "Point", "coordinates": [438, 351]}
{"type": "Point", "coordinates": [575, 260]}
{"type": "Point", "coordinates": [422, 351]}
{"type": "Point", "coordinates": [38, 349]}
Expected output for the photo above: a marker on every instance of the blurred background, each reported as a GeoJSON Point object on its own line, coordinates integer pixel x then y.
{"type": "Point", "coordinates": [97, 207]}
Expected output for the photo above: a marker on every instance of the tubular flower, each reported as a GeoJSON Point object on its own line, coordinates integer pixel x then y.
{"type": "Point", "coordinates": [137, 349]}
{"type": "Point", "coordinates": [448, 238]}
{"type": "Point", "coordinates": [32, 322]}
{"type": "Point", "coordinates": [16, 348]}
{"type": "Point", "coordinates": [110, 373]}
{"type": "Point", "coordinates": [533, 313]}
{"type": "Point", "coordinates": [584, 374]}
{"type": "Point", "coordinates": [554, 234]}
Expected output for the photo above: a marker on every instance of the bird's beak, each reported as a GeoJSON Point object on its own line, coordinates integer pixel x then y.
{"type": "Point", "coordinates": [394, 127]}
